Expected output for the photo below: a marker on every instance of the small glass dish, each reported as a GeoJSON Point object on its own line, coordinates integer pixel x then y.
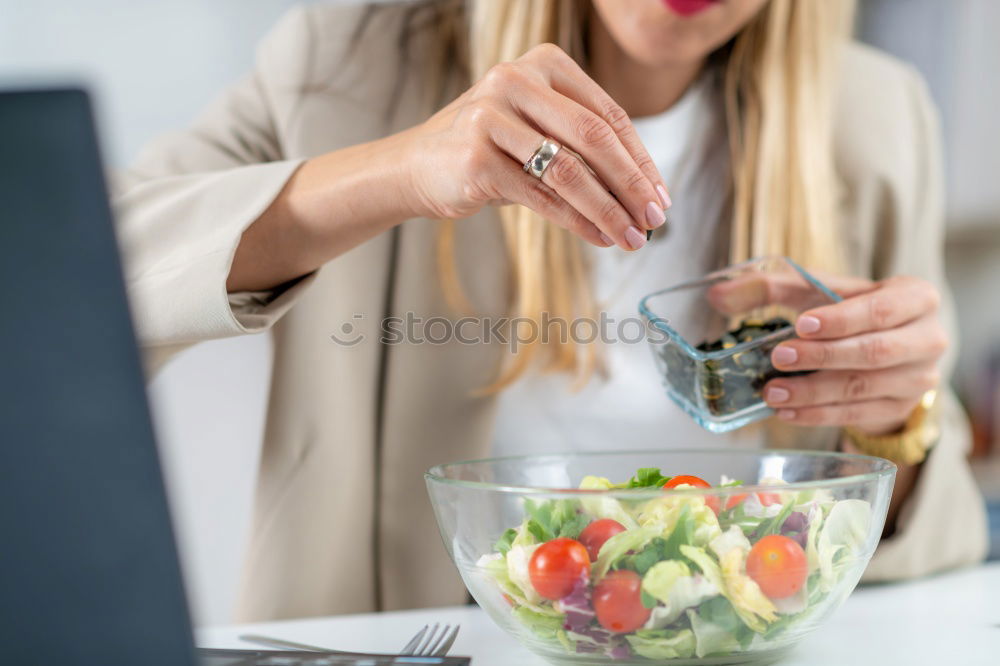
{"type": "Point", "coordinates": [712, 337]}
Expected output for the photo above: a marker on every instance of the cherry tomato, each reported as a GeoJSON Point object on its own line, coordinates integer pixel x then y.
{"type": "Point", "coordinates": [766, 499]}
{"type": "Point", "coordinates": [595, 534]}
{"type": "Point", "coordinates": [618, 602]}
{"type": "Point", "coordinates": [778, 565]}
{"type": "Point", "coordinates": [556, 566]}
{"type": "Point", "coordinates": [735, 500]}
{"type": "Point", "coordinates": [686, 479]}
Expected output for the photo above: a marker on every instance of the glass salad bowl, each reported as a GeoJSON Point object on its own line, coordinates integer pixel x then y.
{"type": "Point", "coordinates": [599, 557]}
{"type": "Point", "coordinates": [712, 337]}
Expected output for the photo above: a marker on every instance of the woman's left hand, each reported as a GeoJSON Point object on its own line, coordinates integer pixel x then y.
{"type": "Point", "coordinates": [876, 353]}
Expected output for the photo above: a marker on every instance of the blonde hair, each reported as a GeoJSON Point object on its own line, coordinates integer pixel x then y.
{"type": "Point", "coordinates": [779, 78]}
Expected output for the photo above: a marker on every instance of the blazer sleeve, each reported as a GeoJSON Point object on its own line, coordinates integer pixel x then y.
{"type": "Point", "coordinates": [184, 205]}
{"type": "Point", "coordinates": [943, 523]}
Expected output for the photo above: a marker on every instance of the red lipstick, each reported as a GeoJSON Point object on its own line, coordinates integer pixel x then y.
{"type": "Point", "coordinates": [689, 7]}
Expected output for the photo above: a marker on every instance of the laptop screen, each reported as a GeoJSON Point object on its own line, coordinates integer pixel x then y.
{"type": "Point", "coordinates": [88, 567]}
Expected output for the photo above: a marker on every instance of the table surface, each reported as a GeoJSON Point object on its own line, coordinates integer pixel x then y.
{"type": "Point", "coordinates": [952, 618]}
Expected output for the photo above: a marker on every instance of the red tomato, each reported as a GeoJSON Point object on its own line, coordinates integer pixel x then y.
{"type": "Point", "coordinates": [595, 534]}
{"type": "Point", "coordinates": [778, 565]}
{"type": "Point", "coordinates": [556, 566]}
{"type": "Point", "coordinates": [766, 499]}
{"type": "Point", "coordinates": [618, 602]}
{"type": "Point", "coordinates": [734, 500]}
{"type": "Point", "coordinates": [689, 480]}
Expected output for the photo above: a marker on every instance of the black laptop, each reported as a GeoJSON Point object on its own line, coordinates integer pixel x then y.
{"type": "Point", "coordinates": [89, 572]}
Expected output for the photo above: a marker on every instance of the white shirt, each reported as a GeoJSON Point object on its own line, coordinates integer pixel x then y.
{"type": "Point", "coordinates": [629, 408]}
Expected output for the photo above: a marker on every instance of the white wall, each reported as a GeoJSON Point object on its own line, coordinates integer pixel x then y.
{"type": "Point", "coordinates": [153, 65]}
{"type": "Point", "coordinates": [954, 45]}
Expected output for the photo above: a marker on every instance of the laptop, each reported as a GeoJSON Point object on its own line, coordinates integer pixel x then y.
{"type": "Point", "coordinates": [89, 571]}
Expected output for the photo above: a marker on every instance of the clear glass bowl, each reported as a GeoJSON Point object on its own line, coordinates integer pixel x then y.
{"type": "Point", "coordinates": [495, 514]}
{"type": "Point", "coordinates": [720, 388]}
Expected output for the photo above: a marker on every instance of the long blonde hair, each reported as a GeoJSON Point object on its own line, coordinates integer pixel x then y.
{"type": "Point", "coordinates": [779, 78]}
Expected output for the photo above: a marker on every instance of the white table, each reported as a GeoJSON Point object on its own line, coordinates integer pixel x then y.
{"type": "Point", "coordinates": [948, 619]}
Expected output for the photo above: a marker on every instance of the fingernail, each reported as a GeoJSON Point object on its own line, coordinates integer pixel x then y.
{"type": "Point", "coordinates": [777, 394]}
{"type": "Point", "coordinates": [786, 414]}
{"type": "Point", "coordinates": [808, 324]}
{"type": "Point", "coordinates": [607, 239]}
{"type": "Point", "coordinates": [635, 238]}
{"type": "Point", "coordinates": [655, 215]}
{"type": "Point", "coordinates": [662, 191]}
{"type": "Point", "coordinates": [784, 356]}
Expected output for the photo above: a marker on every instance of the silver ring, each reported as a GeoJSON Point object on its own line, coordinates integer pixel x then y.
{"type": "Point", "coordinates": [540, 160]}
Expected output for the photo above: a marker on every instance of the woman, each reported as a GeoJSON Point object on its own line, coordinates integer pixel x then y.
{"type": "Point", "coordinates": [309, 199]}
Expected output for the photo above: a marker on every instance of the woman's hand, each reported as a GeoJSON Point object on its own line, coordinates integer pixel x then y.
{"type": "Point", "coordinates": [468, 155]}
{"type": "Point", "coordinates": [876, 354]}
{"type": "Point", "coordinates": [472, 153]}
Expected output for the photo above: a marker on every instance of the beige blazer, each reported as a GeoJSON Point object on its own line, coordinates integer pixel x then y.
{"type": "Point", "coordinates": [342, 521]}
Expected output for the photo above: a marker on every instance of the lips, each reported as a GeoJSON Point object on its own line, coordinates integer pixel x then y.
{"type": "Point", "coordinates": [689, 7]}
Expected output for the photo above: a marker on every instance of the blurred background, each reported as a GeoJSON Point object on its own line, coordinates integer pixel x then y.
{"type": "Point", "coordinates": [154, 64]}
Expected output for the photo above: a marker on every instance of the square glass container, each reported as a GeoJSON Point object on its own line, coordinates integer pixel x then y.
{"type": "Point", "coordinates": [714, 375]}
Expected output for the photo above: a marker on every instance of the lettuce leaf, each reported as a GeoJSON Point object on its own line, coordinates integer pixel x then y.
{"type": "Point", "coordinates": [728, 540]}
{"type": "Point", "coordinates": [517, 572]}
{"type": "Point", "coordinates": [738, 516]}
{"type": "Point", "coordinates": [661, 578]}
{"type": "Point", "coordinates": [550, 519]}
{"type": "Point", "coordinates": [672, 584]}
{"type": "Point", "coordinates": [647, 477]}
{"type": "Point", "coordinates": [844, 532]}
{"type": "Point", "coordinates": [673, 510]}
{"type": "Point", "coordinates": [662, 643]}
{"type": "Point", "coordinates": [753, 507]}
{"type": "Point", "coordinates": [618, 546]}
{"type": "Point", "coordinates": [714, 639]}
{"type": "Point", "coordinates": [644, 560]}
{"type": "Point", "coordinates": [604, 507]}
{"type": "Point", "coordinates": [544, 626]}
{"type": "Point", "coordinates": [773, 524]}
{"type": "Point", "coordinates": [709, 567]}
{"type": "Point", "coordinates": [505, 541]}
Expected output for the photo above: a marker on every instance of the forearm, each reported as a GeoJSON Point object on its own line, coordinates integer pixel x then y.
{"type": "Point", "coordinates": [331, 204]}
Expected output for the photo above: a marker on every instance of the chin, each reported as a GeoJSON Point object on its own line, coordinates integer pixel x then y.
{"type": "Point", "coordinates": [660, 47]}
{"type": "Point", "coordinates": [664, 32]}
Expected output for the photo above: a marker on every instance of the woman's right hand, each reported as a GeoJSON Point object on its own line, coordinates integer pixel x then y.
{"type": "Point", "coordinates": [472, 153]}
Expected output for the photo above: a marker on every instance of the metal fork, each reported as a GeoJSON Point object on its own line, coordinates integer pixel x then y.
{"type": "Point", "coordinates": [430, 641]}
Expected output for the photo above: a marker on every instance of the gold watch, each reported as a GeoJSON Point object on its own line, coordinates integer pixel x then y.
{"type": "Point", "coordinates": [911, 444]}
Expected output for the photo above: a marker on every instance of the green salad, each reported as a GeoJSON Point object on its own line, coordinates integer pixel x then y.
{"type": "Point", "coordinates": [680, 575]}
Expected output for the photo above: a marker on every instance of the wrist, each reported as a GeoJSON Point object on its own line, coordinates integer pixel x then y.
{"type": "Point", "coordinates": [879, 430]}
{"type": "Point", "coordinates": [343, 198]}
{"type": "Point", "coordinates": [391, 168]}
{"type": "Point", "coordinates": [910, 444]}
